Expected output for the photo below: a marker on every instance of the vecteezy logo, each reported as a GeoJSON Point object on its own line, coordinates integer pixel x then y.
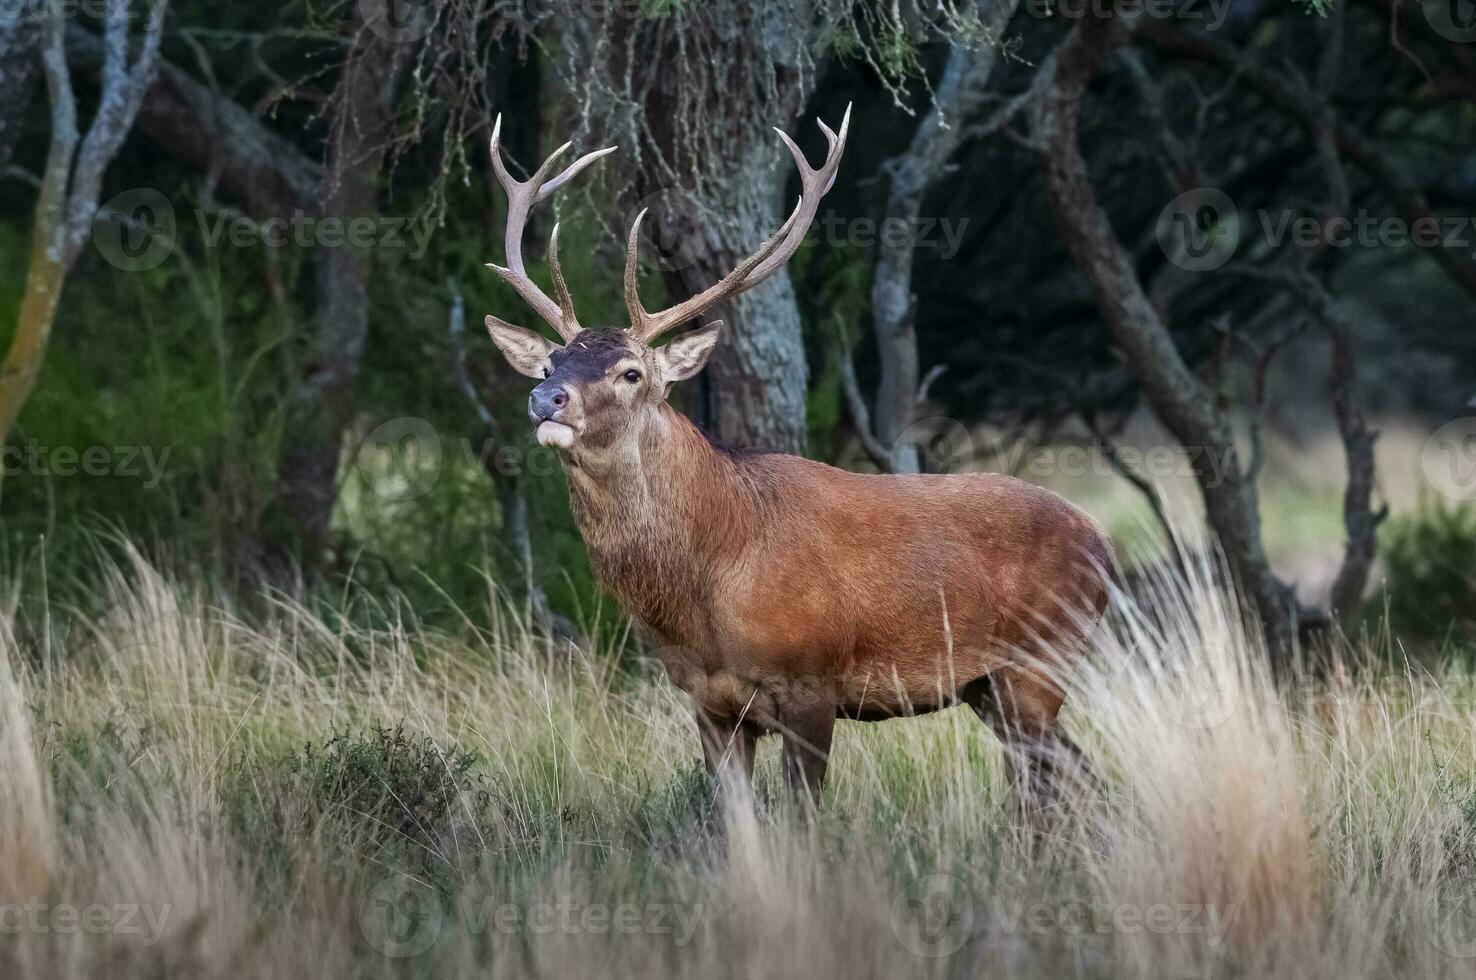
{"type": "Point", "coordinates": [941, 444]}
{"type": "Point", "coordinates": [398, 21]}
{"type": "Point", "coordinates": [672, 231]}
{"type": "Point", "coordinates": [1455, 934]}
{"type": "Point", "coordinates": [933, 915]}
{"type": "Point", "coordinates": [400, 459]}
{"type": "Point", "coordinates": [1199, 229]}
{"type": "Point", "coordinates": [1454, 20]}
{"type": "Point", "coordinates": [1204, 690]}
{"type": "Point", "coordinates": [134, 230]}
{"type": "Point", "coordinates": [1449, 459]}
{"type": "Point", "coordinates": [401, 917]}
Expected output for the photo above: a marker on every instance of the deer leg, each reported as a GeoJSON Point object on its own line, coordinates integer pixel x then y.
{"type": "Point", "coordinates": [727, 749]}
{"type": "Point", "coordinates": [807, 730]}
{"type": "Point", "coordinates": [1023, 709]}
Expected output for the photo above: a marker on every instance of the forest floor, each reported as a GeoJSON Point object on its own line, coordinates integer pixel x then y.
{"type": "Point", "coordinates": [186, 794]}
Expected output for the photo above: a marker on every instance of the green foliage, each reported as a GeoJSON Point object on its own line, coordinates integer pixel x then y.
{"type": "Point", "coordinates": [88, 762]}
{"type": "Point", "coordinates": [843, 302]}
{"type": "Point", "coordinates": [381, 794]}
{"type": "Point", "coordinates": [156, 406]}
{"type": "Point", "coordinates": [404, 786]}
{"type": "Point", "coordinates": [175, 379]}
{"type": "Point", "coordinates": [1430, 557]}
{"type": "Point", "coordinates": [896, 51]}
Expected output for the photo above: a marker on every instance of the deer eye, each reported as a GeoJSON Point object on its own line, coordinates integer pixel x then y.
{"type": "Point", "coordinates": [632, 375]}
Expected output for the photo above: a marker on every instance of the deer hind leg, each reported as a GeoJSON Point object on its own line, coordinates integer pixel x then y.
{"type": "Point", "coordinates": [1023, 709]}
{"type": "Point", "coordinates": [727, 749]}
{"type": "Point", "coordinates": [807, 730]}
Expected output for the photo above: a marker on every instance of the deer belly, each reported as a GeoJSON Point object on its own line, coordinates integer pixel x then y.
{"type": "Point", "coordinates": [746, 673]}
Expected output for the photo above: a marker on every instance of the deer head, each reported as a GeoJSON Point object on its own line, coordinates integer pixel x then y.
{"type": "Point", "coordinates": [601, 388]}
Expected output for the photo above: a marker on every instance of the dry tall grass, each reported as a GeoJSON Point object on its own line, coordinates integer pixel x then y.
{"type": "Point", "coordinates": [161, 816]}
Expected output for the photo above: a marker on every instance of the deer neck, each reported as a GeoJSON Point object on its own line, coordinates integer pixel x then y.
{"type": "Point", "coordinates": [660, 517]}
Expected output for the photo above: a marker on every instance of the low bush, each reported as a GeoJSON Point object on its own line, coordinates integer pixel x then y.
{"type": "Point", "coordinates": [1430, 561]}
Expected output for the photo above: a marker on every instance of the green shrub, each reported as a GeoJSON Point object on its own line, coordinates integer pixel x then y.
{"type": "Point", "coordinates": [382, 795]}
{"type": "Point", "coordinates": [93, 764]}
{"type": "Point", "coordinates": [1430, 557]}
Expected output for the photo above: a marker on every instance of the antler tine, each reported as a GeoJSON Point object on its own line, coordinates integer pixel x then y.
{"type": "Point", "coordinates": [522, 195]}
{"type": "Point", "coordinates": [814, 184]}
{"type": "Point", "coordinates": [566, 302]}
{"type": "Point", "coordinates": [638, 314]}
{"type": "Point", "coordinates": [570, 172]}
{"type": "Point", "coordinates": [763, 263]}
{"type": "Point", "coordinates": [648, 326]}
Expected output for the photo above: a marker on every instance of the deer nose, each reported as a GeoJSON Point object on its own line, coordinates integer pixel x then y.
{"type": "Point", "coordinates": [546, 401]}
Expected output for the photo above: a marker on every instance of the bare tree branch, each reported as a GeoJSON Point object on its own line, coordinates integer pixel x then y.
{"type": "Point", "coordinates": [123, 87]}
{"type": "Point", "coordinates": [207, 130]}
{"type": "Point", "coordinates": [1293, 100]}
{"type": "Point", "coordinates": [875, 449]}
{"type": "Point", "coordinates": [67, 201]}
{"type": "Point", "coordinates": [958, 94]}
{"type": "Point", "coordinates": [1178, 397]}
{"type": "Point", "coordinates": [512, 504]}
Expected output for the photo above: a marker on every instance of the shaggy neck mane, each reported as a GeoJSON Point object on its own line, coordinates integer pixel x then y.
{"type": "Point", "coordinates": [659, 521]}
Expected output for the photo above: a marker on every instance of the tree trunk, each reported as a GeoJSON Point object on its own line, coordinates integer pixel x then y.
{"type": "Point", "coordinates": [957, 95]}
{"type": "Point", "coordinates": [756, 379]}
{"type": "Point", "coordinates": [20, 67]}
{"type": "Point", "coordinates": [321, 408]}
{"type": "Point", "coordinates": [199, 126]}
{"type": "Point", "coordinates": [69, 187]}
{"type": "Point", "coordinates": [1177, 396]}
{"type": "Point", "coordinates": [44, 280]}
{"type": "Point", "coordinates": [49, 260]}
{"type": "Point", "coordinates": [694, 94]}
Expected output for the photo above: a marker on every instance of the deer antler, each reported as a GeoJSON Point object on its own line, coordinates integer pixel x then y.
{"type": "Point", "coordinates": [521, 196]}
{"type": "Point", "coordinates": [763, 263]}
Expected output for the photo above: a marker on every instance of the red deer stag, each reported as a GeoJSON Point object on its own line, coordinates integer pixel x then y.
{"type": "Point", "coordinates": [789, 593]}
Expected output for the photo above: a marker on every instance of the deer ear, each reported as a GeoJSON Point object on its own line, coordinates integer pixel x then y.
{"type": "Point", "coordinates": [525, 350]}
{"type": "Point", "coordinates": [687, 353]}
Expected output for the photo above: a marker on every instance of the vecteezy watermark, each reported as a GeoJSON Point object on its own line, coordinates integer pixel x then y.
{"type": "Point", "coordinates": [36, 11]}
{"type": "Point", "coordinates": [1073, 918]}
{"type": "Point", "coordinates": [132, 462]}
{"type": "Point", "coordinates": [1455, 930]}
{"type": "Point", "coordinates": [137, 230]}
{"type": "Point", "coordinates": [38, 916]}
{"type": "Point", "coordinates": [937, 914]}
{"type": "Point", "coordinates": [511, 460]}
{"type": "Point", "coordinates": [404, 458]}
{"type": "Point", "coordinates": [1454, 20]}
{"type": "Point", "coordinates": [1202, 690]}
{"type": "Point", "coordinates": [1367, 230]}
{"type": "Point", "coordinates": [676, 231]}
{"type": "Point", "coordinates": [134, 230]}
{"type": "Point", "coordinates": [1210, 13]}
{"type": "Point", "coordinates": [400, 460]}
{"type": "Point", "coordinates": [1201, 229]}
{"type": "Point", "coordinates": [1209, 465]}
{"type": "Point", "coordinates": [944, 444]}
{"type": "Point", "coordinates": [402, 917]}
{"type": "Point", "coordinates": [921, 233]}
{"type": "Point", "coordinates": [934, 915]}
{"type": "Point", "coordinates": [1449, 459]}
{"type": "Point", "coordinates": [305, 230]}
